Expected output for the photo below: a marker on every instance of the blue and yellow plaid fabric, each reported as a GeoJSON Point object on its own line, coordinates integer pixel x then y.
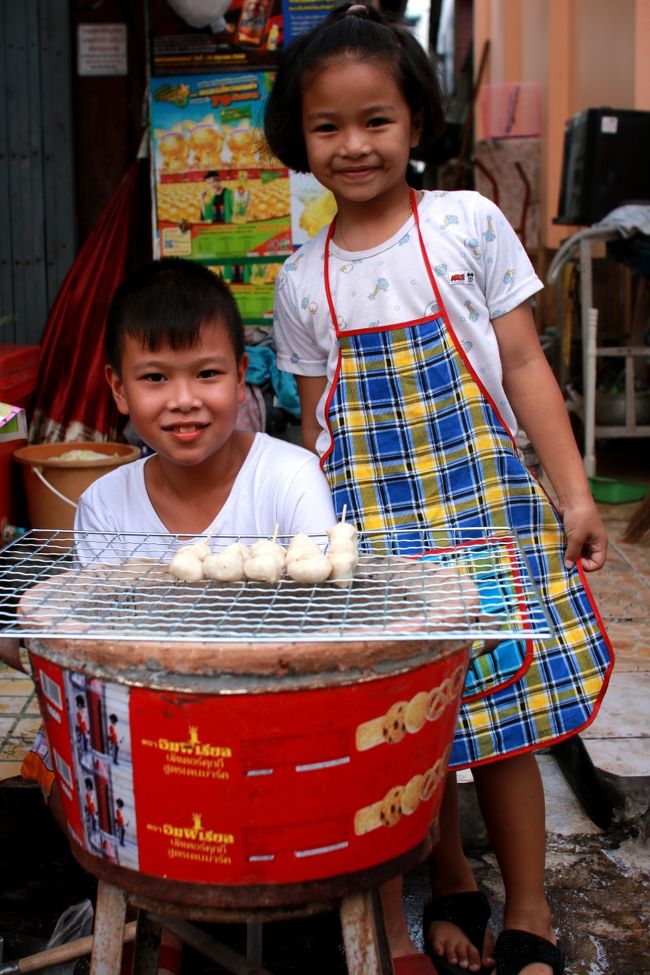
{"type": "Point", "coordinates": [417, 444]}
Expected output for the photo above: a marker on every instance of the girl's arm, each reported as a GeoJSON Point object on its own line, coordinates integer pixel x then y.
{"type": "Point", "coordinates": [310, 390]}
{"type": "Point", "coordinates": [536, 399]}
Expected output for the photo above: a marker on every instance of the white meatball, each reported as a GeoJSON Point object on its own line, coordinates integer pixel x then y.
{"type": "Point", "coordinates": [243, 550]}
{"type": "Point", "coordinates": [300, 540]}
{"type": "Point", "coordinates": [343, 565]}
{"type": "Point", "coordinates": [341, 530]}
{"type": "Point", "coordinates": [302, 546]}
{"type": "Point", "coordinates": [310, 570]}
{"type": "Point", "coordinates": [186, 566]}
{"type": "Point", "coordinates": [344, 546]}
{"type": "Point", "coordinates": [225, 566]}
{"type": "Point", "coordinates": [199, 550]}
{"type": "Point", "coordinates": [263, 568]}
{"type": "Point", "coordinates": [267, 547]}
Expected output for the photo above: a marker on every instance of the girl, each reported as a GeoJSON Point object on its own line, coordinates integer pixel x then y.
{"type": "Point", "coordinates": [408, 326]}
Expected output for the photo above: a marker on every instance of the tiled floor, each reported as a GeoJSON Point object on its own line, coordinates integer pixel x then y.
{"type": "Point", "coordinates": [19, 719]}
{"type": "Point", "coordinates": [622, 591]}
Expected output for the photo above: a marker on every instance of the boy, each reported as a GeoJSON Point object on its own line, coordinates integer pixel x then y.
{"type": "Point", "coordinates": [177, 366]}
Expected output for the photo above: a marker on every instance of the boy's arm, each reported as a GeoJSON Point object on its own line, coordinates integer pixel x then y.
{"type": "Point", "coordinates": [310, 507]}
{"type": "Point", "coordinates": [538, 404]}
{"type": "Point", "coordinates": [10, 652]}
{"type": "Point", "coordinates": [310, 390]}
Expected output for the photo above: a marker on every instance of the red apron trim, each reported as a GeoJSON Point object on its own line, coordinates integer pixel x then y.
{"type": "Point", "coordinates": [443, 311]}
{"type": "Point", "coordinates": [328, 402]}
{"type": "Point", "coordinates": [525, 664]}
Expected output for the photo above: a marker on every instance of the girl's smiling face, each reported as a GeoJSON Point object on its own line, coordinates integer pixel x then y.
{"type": "Point", "coordinates": [182, 402]}
{"type": "Point", "coordinates": [358, 130]}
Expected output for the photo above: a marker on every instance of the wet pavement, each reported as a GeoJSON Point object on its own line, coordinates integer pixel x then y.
{"type": "Point", "coordinates": [598, 863]}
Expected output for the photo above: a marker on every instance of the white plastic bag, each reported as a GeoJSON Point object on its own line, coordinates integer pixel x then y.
{"type": "Point", "coordinates": [75, 922]}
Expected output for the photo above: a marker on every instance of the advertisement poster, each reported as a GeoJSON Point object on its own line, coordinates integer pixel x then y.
{"type": "Point", "coordinates": [312, 207]}
{"type": "Point", "coordinates": [242, 35]}
{"type": "Point", "coordinates": [300, 16]}
{"type": "Point", "coordinates": [220, 197]}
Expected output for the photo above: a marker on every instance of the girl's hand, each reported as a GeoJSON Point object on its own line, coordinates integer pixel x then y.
{"type": "Point", "coordinates": [586, 535]}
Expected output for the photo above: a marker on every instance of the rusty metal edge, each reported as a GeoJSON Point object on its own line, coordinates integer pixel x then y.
{"type": "Point", "coordinates": [244, 902]}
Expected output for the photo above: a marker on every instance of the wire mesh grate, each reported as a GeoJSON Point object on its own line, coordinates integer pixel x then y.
{"type": "Point", "coordinates": [409, 584]}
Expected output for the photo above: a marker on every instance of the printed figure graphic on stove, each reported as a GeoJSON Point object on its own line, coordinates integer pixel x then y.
{"type": "Point", "coordinates": [120, 825]}
{"type": "Point", "coordinates": [90, 806]}
{"type": "Point", "coordinates": [408, 325]}
{"type": "Point", "coordinates": [113, 737]}
{"type": "Point", "coordinates": [82, 724]}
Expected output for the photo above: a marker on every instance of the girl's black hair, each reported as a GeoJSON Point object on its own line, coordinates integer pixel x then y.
{"type": "Point", "coordinates": [169, 301]}
{"type": "Point", "coordinates": [357, 31]}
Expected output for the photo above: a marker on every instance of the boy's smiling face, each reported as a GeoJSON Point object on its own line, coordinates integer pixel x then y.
{"type": "Point", "coordinates": [182, 402]}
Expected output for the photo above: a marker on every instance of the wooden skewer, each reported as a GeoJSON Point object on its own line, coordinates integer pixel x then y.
{"type": "Point", "coordinates": [344, 513]}
{"type": "Point", "coordinates": [276, 531]}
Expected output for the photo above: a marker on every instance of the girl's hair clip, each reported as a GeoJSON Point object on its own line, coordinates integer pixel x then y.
{"type": "Point", "coordinates": [357, 10]}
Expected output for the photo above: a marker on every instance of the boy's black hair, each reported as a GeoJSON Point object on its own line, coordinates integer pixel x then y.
{"type": "Point", "coordinates": [364, 34]}
{"type": "Point", "coordinates": [169, 301]}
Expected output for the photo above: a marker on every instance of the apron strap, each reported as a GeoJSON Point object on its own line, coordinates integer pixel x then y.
{"type": "Point", "coordinates": [326, 273]}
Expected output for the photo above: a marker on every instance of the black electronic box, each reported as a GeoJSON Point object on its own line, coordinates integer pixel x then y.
{"type": "Point", "coordinates": [606, 163]}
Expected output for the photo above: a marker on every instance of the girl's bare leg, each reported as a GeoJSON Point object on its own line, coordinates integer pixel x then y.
{"type": "Point", "coordinates": [511, 797]}
{"type": "Point", "coordinates": [397, 931]}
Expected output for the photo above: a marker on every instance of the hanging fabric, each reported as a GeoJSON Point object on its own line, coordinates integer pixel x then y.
{"type": "Point", "coordinates": [72, 399]}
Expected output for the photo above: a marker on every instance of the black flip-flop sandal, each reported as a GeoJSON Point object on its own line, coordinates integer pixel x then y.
{"type": "Point", "coordinates": [516, 949]}
{"type": "Point", "coordinates": [469, 911]}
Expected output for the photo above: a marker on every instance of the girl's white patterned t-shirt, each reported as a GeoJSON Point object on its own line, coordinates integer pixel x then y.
{"type": "Point", "coordinates": [481, 269]}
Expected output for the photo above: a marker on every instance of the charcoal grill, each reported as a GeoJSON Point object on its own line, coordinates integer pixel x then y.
{"type": "Point", "coordinates": [231, 751]}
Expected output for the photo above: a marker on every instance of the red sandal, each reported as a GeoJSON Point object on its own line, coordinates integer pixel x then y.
{"type": "Point", "coordinates": [413, 965]}
{"type": "Point", "coordinates": [170, 959]}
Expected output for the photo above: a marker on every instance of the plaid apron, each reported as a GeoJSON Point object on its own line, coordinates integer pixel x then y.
{"type": "Point", "coordinates": [417, 443]}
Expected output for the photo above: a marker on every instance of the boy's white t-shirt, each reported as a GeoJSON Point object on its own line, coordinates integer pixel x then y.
{"type": "Point", "coordinates": [279, 484]}
{"type": "Point", "coordinates": [481, 268]}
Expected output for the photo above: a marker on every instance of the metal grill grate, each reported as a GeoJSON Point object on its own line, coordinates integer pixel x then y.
{"type": "Point", "coordinates": [408, 585]}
